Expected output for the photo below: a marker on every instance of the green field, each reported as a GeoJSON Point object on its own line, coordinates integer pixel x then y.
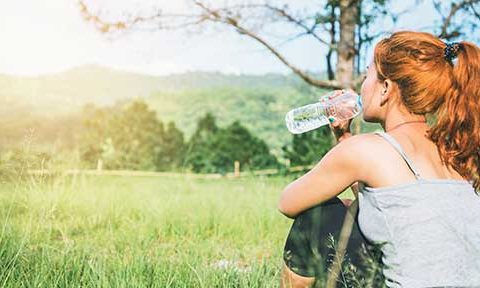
{"type": "Point", "coordinates": [88, 231]}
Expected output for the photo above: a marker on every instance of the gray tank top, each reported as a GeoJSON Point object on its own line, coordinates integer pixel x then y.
{"type": "Point", "coordinates": [428, 230]}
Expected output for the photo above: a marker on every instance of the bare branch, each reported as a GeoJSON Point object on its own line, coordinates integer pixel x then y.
{"type": "Point", "coordinates": [293, 38]}
{"type": "Point", "coordinates": [106, 27]}
{"type": "Point", "coordinates": [290, 18]}
{"type": "Point", "coordinates": [396, 16]}
{"type": "Point", "coordinates": [438, 6]}
{"type": "Point", "coordinates": [474, 11]}
{"type": "Point", "coordinates": [455, 7]}
{"type": "Point", "coordinates": [282, 12]}
{"type": "Point", "coordinates": [370, 38]}
{"type": "Point", "coordinates": [215, 16]}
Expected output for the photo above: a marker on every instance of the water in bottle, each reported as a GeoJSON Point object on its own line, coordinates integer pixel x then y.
{"type": "Point", "coordinates": [309, 117]}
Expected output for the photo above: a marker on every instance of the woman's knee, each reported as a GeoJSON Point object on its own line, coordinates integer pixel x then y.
{"type": "Point", "coordinates": [290, 279]}
{"type": "Point", "coordinates": [307, 249]}
{"type": "Point", "coordinates": [318, 221]}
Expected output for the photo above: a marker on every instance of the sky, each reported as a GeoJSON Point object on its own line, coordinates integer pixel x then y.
{"type": "Point", "coordinates": [45, 37]}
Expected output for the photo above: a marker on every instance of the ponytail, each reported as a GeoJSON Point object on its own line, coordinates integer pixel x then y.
{"type": "Point", "coordinates": [457, 129]}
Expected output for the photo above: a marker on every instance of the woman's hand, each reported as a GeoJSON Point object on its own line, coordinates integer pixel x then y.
{"type": "Point", "coordinates": [340, 128]}
{"type": "Point", "coordinates": [347, 202]}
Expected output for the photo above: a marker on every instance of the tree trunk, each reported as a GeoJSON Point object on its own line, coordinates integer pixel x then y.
{"type": "Point", "coordinates": [333, 42]}
{"type": "Point", "coordinates": [346, 45]}
{"type": "Point", "coordinates": [359, 42]}
{"type": "Point", "coordinates": [331, 74]}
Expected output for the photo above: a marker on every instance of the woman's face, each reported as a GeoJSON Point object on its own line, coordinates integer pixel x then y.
{"type": "Point", "coordinates": [371, 95]}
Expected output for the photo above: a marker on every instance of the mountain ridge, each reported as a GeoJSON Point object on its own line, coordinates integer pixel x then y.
{"type": "Point", "coordinates": [104, 86]}
{"type": "Point", "coordinates": [257, 101]}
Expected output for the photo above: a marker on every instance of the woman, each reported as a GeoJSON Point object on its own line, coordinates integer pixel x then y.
{"type": "Point", "coordinates": [418, 183]}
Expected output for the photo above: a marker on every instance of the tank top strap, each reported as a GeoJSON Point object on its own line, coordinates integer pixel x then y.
{"type": "Point", "coordinates": [397, 147]}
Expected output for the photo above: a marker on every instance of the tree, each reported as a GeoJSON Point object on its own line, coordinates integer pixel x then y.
{"type": "Point", "coordinates": [134, 134]}
{"type": "Point", "coordinates": [131, 137]}
{"type": "Point", "coordinates": [236, 143]}
{"type": "Point", "coordinates": [308, 148]}
{"type": "Point", "coordinates": [199, 152]}
{"type": "Point", "coordinates": [214, 150]}
{"type": "Point", "coordinates": [95, 121]}
{"type": "Point", "coordinates": [459, 19]}
{"type": "Point", "coordinates": [170, 154]}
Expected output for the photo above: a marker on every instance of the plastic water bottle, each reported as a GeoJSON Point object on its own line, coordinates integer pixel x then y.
{"type": "Point", "coordinates": [312, 116]}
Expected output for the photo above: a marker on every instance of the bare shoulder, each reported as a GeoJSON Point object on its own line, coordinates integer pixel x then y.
{"type": "Point", "coordinates": [362, 152]}
{"type": "Point", "coordinates": [363, 146]}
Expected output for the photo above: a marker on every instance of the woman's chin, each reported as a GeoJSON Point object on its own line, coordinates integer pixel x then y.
{"type": "Point", "coordinates": [366, 118]}
{"type": "Point", "coordinates": [370, 119]}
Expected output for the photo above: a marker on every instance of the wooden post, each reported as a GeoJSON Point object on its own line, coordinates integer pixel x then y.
{"type": "Point", "coordinates": [358, 125]}
{"type": "Point", "coordinates": [287, 163]}
{"type": "Point", "coordinates": [99, 165]}
{"type": "Point", "coordinates": [42, 166]}
{"type": "Point", "coordinates": [236, 169]}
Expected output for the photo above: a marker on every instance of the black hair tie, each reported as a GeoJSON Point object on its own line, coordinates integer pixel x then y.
{"type": "Point", "coordinates": [451, 51]}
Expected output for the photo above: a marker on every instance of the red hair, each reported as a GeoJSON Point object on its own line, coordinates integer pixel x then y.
{"type": "Point", "coordinates": [433, 86]}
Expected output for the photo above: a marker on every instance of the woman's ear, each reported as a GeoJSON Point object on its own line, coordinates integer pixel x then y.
{"type": "Point", "coordinates": [386, 92]}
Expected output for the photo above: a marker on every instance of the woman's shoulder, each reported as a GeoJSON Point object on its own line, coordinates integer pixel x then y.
{"type": "Point", "coordinates": [365, 151]}
{"type": "Point", "coordinates": [363, 144]}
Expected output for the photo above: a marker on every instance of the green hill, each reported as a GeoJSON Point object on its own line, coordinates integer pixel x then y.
{"type": "Point", "coordinates": [105, 86]}
{"type": "Point", "coordinates": [259, 102]}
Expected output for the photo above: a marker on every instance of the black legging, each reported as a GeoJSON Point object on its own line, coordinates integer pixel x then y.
{"type": "Point", "coordinates": [308, 250]}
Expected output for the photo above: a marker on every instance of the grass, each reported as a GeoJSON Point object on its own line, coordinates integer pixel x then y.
{"type": "Point", "coordinates": [88, 231]}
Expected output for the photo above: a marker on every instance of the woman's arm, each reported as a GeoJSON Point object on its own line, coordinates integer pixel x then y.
{"type": "Point", "coordinates": [341, 167]}
{"type": "Point", "coordinates": [354, 186]}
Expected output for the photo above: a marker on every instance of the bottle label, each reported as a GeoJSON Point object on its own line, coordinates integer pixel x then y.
{"type": "Point", "coordinates": [331, 110]}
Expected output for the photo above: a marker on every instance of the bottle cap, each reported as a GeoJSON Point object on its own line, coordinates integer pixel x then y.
{"type": "Point", "coordinates": [359, 101]}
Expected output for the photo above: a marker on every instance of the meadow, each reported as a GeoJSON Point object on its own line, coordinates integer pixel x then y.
{"type": "Point", "coordinates": [106, 231]}
{"type": "Point", "coordinates": [110, 231]}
